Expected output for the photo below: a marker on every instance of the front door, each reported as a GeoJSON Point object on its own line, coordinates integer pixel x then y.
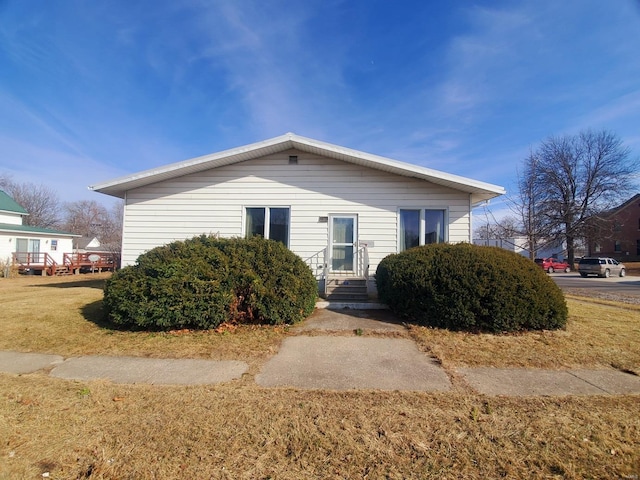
{"type": "Point", "coordinates": [343, 238]}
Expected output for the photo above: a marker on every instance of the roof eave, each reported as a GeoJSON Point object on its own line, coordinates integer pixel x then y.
{"type": "Point", "coordinates": [119, 186]}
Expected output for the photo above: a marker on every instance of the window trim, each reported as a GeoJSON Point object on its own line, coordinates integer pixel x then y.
{"type": "Point", "coordinates": [267, 220]}
{"type": "Point", "coordinates": [617, 246]}
{"type": "Point", "coordinates": [422, 231]}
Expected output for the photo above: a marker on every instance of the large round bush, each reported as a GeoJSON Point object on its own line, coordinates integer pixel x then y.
{"type": "Point", "coordinates": [468, 287]}
{"type": "Point", "coordinates": [205, 281]}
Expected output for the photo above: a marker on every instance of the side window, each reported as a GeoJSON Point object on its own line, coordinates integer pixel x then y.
{"type": "Point", "coordinates": [433, 226]}
{"type": "Point", "coordinates": [54, 245]}
{"type": "Point", "coordinates": [409, 229]}
{"type": "Point", "coordinates": [268, 222]}
{"type": "Point", "coordinates": [420, 227]}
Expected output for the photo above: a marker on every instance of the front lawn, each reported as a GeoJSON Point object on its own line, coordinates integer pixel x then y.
{"type": "Point", "coordinates": [238, 430]}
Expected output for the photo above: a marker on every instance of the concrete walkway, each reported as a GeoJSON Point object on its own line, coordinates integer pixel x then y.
{"type": "Point", "coordinates": [321, 356]}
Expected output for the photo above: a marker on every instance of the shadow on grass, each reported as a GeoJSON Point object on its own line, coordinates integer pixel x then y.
{"type": "Point", "coordinates": [89, 283]}
{"type": "Point", "coordinates": [94, 313]}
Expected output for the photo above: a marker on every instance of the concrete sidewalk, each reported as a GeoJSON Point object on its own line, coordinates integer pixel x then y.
{"type": "Point", "coordinates": [329, 362]}
{"type": "Point", "coordinates": [344, 363]}
{"type": "Point", "coordinates": [329, 352]}
{"type": "Point", "coordinates": [156, 371]}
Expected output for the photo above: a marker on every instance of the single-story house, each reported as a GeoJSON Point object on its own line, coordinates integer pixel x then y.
{"type": "Point", "coordinates": [89, 245]}
{"type": "Point", "coordinates": [34, 247]}
{"type": "Point", "coordinates": [341, 210]}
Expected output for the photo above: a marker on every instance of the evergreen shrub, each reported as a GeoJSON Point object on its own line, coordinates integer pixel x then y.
{"type": "Point", "coordinates": [469, 287]}
{"type": "Point", "coordinates": [205, 281]}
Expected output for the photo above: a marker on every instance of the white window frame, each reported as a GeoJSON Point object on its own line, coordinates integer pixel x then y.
{"type": "Point", "coordinates": [267, 220]}
{"type": "Point", "coordinates": [422, 224]}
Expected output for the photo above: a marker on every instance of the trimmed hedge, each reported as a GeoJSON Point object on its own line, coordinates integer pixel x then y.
{"type": "Point", "coordinates": [205, 281]}
{"type": "Point", "coordinates": [468, 287]}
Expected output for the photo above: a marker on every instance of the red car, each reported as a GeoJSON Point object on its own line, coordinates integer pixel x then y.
{"type": "Point", "coordinates": [551, 265]}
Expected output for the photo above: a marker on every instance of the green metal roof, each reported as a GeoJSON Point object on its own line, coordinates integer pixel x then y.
{"type": "Point", "coordinates": [5, 227]}
{"type": "Point", "coordinates": [8, 204]}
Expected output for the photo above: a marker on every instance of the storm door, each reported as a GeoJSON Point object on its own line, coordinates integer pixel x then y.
{"type": "Point", "coordinates": [343, 239]}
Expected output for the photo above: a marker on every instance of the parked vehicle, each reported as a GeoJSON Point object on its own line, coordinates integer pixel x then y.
{"type": "Point", "coordinates": [551, 265]}
{"type": "Point", "coordinates": [601, 266]}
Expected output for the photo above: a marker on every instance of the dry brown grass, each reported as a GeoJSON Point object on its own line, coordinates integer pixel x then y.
{"type": "Point", "coordinates": [598, 335]}
{"type": "Point", "coordinates": [63, 315]}
{"type": "Point", "coordinates": [237, 430]}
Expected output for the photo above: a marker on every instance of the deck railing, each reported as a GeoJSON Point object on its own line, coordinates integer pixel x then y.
{"type": "Point", "coordinates": [73, 262]}
{"type": "Point", "coordinates": [36, 261]}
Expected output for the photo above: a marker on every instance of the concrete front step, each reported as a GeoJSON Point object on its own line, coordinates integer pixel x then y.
{"type": "Point", "coordinates": [350, 305]}
{"type": "Point", "coordinates": [346, 289]}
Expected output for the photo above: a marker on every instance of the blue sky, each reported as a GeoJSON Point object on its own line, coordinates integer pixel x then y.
{"type": "Point", "coordinates": [94, 90]}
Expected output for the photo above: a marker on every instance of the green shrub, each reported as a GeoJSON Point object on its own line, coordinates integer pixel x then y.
{"type": "Point", "coordinates": [205, 281]}
{"type": "Point", "coordinates": [468, 287]}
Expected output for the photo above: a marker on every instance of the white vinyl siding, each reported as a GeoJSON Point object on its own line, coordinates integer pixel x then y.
{"type": "Point", "coordinates": [9, 244]}
{"type": "Point", "coordinates": [214, 202]}
{"type": "Point", "coordinates": [10, 218]}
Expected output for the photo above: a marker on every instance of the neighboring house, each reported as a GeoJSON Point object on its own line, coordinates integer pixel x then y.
{"type": "Point", "coordinates": [547, 249]}
{"type": "Point", "coordinates": [513, 244]}
{"type": "Point", "coordinates": [87, 244]}
{"type": "Point", "coordinates": [29, 245]}
{"type": "Point", "coordinates": [616, 233]}
{"type": "Point", "coordinates": [341, 210]}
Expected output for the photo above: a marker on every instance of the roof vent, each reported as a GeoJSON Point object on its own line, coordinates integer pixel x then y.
{"type": "Point", "coordinates": [293, 159]}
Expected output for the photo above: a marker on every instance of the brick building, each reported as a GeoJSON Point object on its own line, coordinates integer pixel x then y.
{"type": "Point", "coordinates": [616, 233]}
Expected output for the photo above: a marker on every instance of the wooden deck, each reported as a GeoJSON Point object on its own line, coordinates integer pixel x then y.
{"type": "Point", "coordinates": [73, 263]}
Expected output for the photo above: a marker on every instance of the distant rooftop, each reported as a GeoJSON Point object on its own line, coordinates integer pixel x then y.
{"type": "Point", "coordinates": [5, 227]}
{"type": "Point", "coordinates": [8, 204]}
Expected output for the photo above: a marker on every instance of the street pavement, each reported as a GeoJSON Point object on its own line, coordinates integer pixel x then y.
{"type": "Point", "coordinates": [335, 350]}
{"type": "Point", "coordinates": [628, 287]}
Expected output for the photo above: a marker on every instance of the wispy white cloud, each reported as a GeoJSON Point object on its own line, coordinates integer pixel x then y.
{"type": "Point", "coordinates": [137, 86]}
{"type": "Point", "coordinates": [67, 173]}
{"type": "Point", "coordinates": [267, 63]}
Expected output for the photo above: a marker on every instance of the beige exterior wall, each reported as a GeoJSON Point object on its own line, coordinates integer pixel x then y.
{"type": "Point", "coordinates": [213, 202]}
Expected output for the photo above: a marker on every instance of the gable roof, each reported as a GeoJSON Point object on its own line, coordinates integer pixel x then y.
{"type": "Point", "coordinates": [8, 204]}
{"type": "Point", "coordinates": [624, 205]}
{"type": "Point", "coordinates": [479, 191]}
{"type": "Point", "coordinates": [84, 242]}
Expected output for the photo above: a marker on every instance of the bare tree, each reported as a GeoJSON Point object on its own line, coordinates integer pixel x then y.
{"type": "Point", "coordinates": [40, 201]}
{"type": "Point", "coordinates": [112, 231]}
{"type": "Point", "coordinates": [506, 227]}
{"type": "Point", "coordinates": [525, 206]}
{"type": "Point", "coordinates": [573, 178]}
{"type": "Point", "coordinates": [92, 219]}
{"type": "Point", "coordinates": [85, 217]}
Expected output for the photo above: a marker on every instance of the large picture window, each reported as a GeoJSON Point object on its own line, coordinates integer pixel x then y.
{"type": "Point", "coordinates": [268, 222]}
{"type": "Point", "coordinates": [420, 227]}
